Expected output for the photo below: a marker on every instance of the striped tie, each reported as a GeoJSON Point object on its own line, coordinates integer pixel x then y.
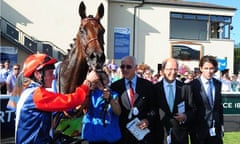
{"type": "Point", "coordinates": [131, 92]}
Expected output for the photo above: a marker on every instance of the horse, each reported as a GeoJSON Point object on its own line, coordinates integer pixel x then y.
{"type": "Point", "coordinates": [87, 52]}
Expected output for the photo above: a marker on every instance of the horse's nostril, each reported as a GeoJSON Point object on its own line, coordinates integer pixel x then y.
{"type": "Point", "coordinates": [92, 56]}
{"type": "Point", "coordinates": [98, 66]}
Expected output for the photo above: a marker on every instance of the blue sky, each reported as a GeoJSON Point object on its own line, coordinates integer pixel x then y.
{"type": "Point", "coordinates": [235, 33]}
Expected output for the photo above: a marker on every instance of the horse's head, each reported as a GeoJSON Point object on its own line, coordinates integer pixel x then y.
{"type": "Point", "coordinates": [90, 35]}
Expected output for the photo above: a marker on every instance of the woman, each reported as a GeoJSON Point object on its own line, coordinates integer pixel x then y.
{"type": "Point", "coordinates": [21, 84]}
{"type": "Point", "coordinates": [100, 123]}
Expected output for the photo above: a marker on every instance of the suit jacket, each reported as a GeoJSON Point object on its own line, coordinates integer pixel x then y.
{"type": "Point", "coordinates": [144, 103]}
{"type": "Point", "coordinates": [179, 132]}
{"type": "Point", "coordinates": [205, 114]}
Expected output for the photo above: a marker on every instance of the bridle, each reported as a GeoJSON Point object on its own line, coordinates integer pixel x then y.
{"type": "Point", "coordinates": [86, 46]}
{"type": "Point", "coordinates": [84, 22]}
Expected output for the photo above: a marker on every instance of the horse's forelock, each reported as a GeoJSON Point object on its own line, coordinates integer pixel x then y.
{"type": "Point", "coordinates": [90, 16]}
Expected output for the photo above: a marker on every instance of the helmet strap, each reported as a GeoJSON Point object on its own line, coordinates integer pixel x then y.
{"type": "Point", "coordinates": [41, 81]}
{"type": "Point", "coordinates": [33, 77]}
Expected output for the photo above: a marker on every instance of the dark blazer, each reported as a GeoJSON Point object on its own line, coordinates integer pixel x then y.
{"type": "Point", "coordinates": [179, 134]}
{"type": "Point", "coordinates": [144, 101]}
{"type": "Point", "coordinates": [205, 113]}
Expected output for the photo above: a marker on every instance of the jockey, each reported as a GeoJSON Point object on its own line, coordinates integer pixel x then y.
{"type": "Point", "coordinates": [36, 103]}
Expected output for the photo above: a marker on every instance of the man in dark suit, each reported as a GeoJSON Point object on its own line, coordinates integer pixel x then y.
{"type": "Point", "coordinates": [208, 125]}
{"type": "Point", "coordinates": [141, 106]}
{"type": "Point", "coordinates": [175, 104]}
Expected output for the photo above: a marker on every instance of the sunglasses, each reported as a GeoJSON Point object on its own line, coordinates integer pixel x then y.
{"type": "Point", "coordinates": [16, 68]}
{"type": "Point", "coordinates": [126, 66]}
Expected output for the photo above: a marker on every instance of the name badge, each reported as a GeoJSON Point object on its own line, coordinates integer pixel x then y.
{"type": "Point", "coordinates": [212, 131]}
{"type": "Point", "coordinates": [181, 107]}
{"type": "Point", "coordinates": [135, 111]}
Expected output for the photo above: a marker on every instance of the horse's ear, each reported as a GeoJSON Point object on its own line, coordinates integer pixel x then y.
{"type": "Point", "coordinates": [100, 12]}
{"type": "Point", "coordinates": [82, 10]}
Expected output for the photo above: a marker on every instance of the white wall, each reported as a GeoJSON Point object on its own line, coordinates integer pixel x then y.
{"type": "Point", "coordinates": [221, 49]}
{"type": "Point", "coordinates": [49, 20]}
{"type": "Point", "coordinates": [153, 35]}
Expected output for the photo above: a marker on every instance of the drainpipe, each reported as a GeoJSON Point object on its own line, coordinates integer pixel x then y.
{"type": "Point", "coordinates": [134, 25]}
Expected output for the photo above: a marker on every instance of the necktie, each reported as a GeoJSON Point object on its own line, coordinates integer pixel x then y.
{"type": "Point", "coordinates": [131, 93]}
{"type": "Point", "coordinates": [170, 97]}
{"type": "Point", "coordinates": [209, 92]}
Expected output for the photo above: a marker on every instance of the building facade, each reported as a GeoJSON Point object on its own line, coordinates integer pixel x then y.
{"type": "Point", "coordinates": [150, 30]}
{"type": "Point", "coordinates": [173, 28]}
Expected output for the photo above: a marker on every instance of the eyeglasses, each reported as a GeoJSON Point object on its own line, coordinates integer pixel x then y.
{"type": "Point", "coordinates": [16, 68]}
{"type": "Point", "coordinates": [126, 66]}
{"type": "Point", "coordinates": [171, 69]}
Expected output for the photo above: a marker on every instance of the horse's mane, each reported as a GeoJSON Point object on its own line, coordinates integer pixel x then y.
{"type": "Point", "coordinates": [73, 69]}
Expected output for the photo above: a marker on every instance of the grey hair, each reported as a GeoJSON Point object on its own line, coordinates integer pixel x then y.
{"type": "Point", "coordinates": [130, 57]}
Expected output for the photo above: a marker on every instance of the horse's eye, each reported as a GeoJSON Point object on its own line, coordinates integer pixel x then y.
{"type": "Point", "coordinates": [81, 30]}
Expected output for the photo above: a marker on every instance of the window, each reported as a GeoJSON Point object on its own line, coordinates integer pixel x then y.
{"type": "Point", "coordinates": [30, 44]}
{"type": "Point", "coordinates": [186, 51]}
{"type": "Point", "coordinates": [60, 56]}
{"type": "Point", "coordinates": [12, 32]}
{"type": "Point", "coordinates": [47, 49]}
{"type": "Point", "coordinates": [199, 27]}
{"type": "Point", "coordinates": [220, 27]}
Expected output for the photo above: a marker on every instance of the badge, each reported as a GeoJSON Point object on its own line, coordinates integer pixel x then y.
{"type": "Point", "coordinates": [212, 132]}
{"type": "Point", "coordinates": [135, 111]}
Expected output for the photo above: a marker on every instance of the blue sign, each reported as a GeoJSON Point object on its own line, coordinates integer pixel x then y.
{"type": "Point", "coordinates": [222, 63]}
{"type": "Point", "coordinates": [121, 42]}
{"type": "Point", "coordinates": [9, 53]}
